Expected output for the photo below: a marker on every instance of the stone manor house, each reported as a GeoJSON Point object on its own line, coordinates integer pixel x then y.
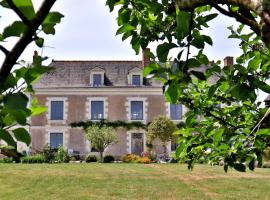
{"type": "Point", "coordinates": [77, 91]}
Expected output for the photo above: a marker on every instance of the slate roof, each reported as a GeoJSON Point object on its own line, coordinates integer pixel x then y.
{"type": "Point", "coordinates": [77, 73]}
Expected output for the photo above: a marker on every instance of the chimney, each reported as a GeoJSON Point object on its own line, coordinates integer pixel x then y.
{"type": "Point", "coordinates": [146, 57]}
{"type": "Point", "coordinates": [228, 61]}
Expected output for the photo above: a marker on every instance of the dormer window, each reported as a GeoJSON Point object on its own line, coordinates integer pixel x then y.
{"type": "Point", "coordinates": [136, 80]}
{"type": "Point", "coordinates": [97, 77]}
{"type": "Point", "coordinates": [97, 81]}
{"type": "Point", "coordinates": [135, 77]}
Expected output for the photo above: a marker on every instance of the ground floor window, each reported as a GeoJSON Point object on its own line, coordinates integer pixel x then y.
{"type": "Point", "coordinates": [56, 139]}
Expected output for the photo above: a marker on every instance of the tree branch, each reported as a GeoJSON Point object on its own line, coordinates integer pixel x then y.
{"type": "Point", "coordinates": [4, 50]}
{"type": "Point", "coordinates": [25, 40]}
{"type": "Point", "coordinates": [18, 12]}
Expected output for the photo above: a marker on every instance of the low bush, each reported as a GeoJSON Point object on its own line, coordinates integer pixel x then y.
{"type": "Point", "coordinates": [62, 155]}
{"type": "Point", "coordinates": [130, 158]}
{"type": "Point", "coordinates": [108, 159]}
{"type": "Point", "coordinates": [48, 153]}
{"type": "Point", "coordinates": [38, 158]}
{"type": "Point", "coordinates": [90, 158]}
{"type": "Point", "coordinates": [6, 160]}
{"type": "Point", "coordinates": [144, 160]}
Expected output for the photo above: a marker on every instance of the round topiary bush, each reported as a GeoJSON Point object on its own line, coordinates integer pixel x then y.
{"type": "Point", "coordinates": [90, 158]}
{"type": "Point", "coordinates": [108, 159]}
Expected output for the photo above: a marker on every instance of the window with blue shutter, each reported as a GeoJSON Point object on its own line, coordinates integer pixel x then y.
{"type": "Point", "coordinates": [97, 110]}
{"type": "Point", "coordinates": [56, 139]}
{"type": "Point", "coordinates": [176, 111]}
{"type": "Point", "coordinates": [136, 80]}
{"type": "Point", "coordinates": [57, 110]}
{"type": "Point", "coordinates": [136, 110]}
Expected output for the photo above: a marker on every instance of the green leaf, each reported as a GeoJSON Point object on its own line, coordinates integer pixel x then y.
{"type": "Point", "coordinates": [182, 20]}
{"type": "Point", "coordinates": [5, 135]}
{"type": "Point", "coordinates": [50, 21]}
{"type": "Point", "coordinates": [210, 17]}
{"type": "Point", "coordinates": [212, 90]}
{"type": "Point", "coordinates": [218, 136]}
{"type": "Point", "coordinates": [254, 63]}
{"type": "Point", "coordinates": [239, 167]}
{"type": "Point", "coordinates": [15, 101]}
{"type": "Point", "coordinates": [264, 131]}
{"type": "Point", "coordinates": [22, 135]}
{"type": "Point", "coordinates": [16, 29]}
{"type": "Point", "coordinates": [251, 165]}
{"type": "Point", "coordinates": [125, 28]}
{"type": "Point", "coordinates": [163, 51]}
{"type": "Point", "coordinates": [243, 92]}
{"type": "Point", "coordinates": [193, 62]}
{"type": "Point", "coordinates": [39, 42]}
{"type": "Point", "coordinates": [199, 75]}
{"type": "Point", "coordinates": [26, 7]}
{"type": "Point", "coordinates": [261, 85]}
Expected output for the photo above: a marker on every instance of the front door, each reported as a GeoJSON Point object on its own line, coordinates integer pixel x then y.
{"type": "Point", "coordinates": [137, 143]}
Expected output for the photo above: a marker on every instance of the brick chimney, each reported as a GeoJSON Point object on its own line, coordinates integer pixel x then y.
{"type": "Point", "coordinates": [146, 57]}
{"type": "Point", "coordinates": [228, 61]}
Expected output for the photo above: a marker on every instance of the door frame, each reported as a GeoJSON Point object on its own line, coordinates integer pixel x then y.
{"type": "Point", "coordinates": [129, 134]}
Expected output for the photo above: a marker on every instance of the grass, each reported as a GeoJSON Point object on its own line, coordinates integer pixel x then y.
{"type": "Point", "coordinates": [130, 181]}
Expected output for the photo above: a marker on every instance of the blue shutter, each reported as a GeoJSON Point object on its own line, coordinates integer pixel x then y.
{"type": "Point", "coordinates": [97, 80]}
{"type": "Point", "coordinates": [136, 110]}
{"type": "Point", "coordinates": [57, 110]}
{"type": "Point", "coordinates": [56, 139]}
{"type": "Point", "coordinates": [136, 80]}
{"type": "Point", "coordinates": [176, 111]}
{"type": "Point", "coordinates": [97, 110]}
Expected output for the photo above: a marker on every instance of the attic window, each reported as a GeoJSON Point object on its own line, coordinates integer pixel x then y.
{"type": "Point", "coordinates": [97, 80]}
{"type": "Point", "coordinates": [136, 80]}
{"type": "Point", "coordinates": [97, 77]}
{"type": "Point", "coordinates": [135, 77]}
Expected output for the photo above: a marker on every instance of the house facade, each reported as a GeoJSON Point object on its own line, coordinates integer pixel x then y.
{"type": "Point", "coordinates": [77, 91]}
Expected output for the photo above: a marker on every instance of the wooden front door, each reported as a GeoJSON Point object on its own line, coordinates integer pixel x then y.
{"type": "Point", "coordinates": [137, 143]}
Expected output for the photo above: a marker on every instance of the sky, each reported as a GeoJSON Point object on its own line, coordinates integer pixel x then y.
{"type": "Point", "coordinates": [87, 32]}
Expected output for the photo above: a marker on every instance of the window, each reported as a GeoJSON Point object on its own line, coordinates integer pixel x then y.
{"type": "Point", "coordinates": [136, 80]}
{"type": "Point", "coordinates": [57, 110]}
{"type": "Point", "coordinates": [176, 111]}
{"type": "Point", "coordinates": [97, 80]}
{"type": "Point", "coordinates": [136, 110]}
{"type": "Point", "coordinates": [56, 139]}
{"type": "Point", "coordinates": [97, 110]}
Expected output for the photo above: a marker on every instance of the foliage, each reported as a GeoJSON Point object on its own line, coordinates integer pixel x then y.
{"type": "Point", "coordinates": [224, 114]}
{"type": "Point", "coordinates": [37, 158]}
{"type": "Point", "coordinates": [130, 158]}
{"type": "Point", "coordinates": [108, 159]}
{"type": "Point", "coordinates": [144, 160]}
{"type": "Point", "coordinates": [14, 84]}
{"type": "Point", "coordinates": [101, 137]}
{"type": "Point", "coordinates": [48, 153]}
{"type": "Point", "coordinates": [62, 155]}
{"type": "Point", "coordinates": [90, 158]}
{"type": "Point", "coordinates": [113, 124]}
{"type": "Point", "coordinates": [162, 128]}
{"type": "Point", "coordinates": [6, 160]}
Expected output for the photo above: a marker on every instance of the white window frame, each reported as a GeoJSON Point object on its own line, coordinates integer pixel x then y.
{"type": "Point", "coordinates": [128, 108]}
{"type": "Point", "coordinates": [57, 129]}
{"type": "Point", "coordinates": [135, 71]}
{"type": "Point", "coordinates": [96, 71]}
{"type": "Point", "coordinates": [65, 109]}
{"type": "Point", "coordinates": [88, 107]}
{"type": "Point", "coordinates": [129, 133]}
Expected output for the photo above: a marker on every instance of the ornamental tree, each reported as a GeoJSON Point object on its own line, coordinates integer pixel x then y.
{"type": "Point", "coordinates": [230, 132]}
{"type": "Point", "coordinates": [14, 84]}
{"type": "Point", "coordinates": [161, 128]}
{"type": "Point", "coordinates": [101, 137]}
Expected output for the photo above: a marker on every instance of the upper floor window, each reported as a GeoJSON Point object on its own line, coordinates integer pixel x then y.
{"type": "Point", "coordinates": [136, 80]}
{"type": "Point", "coordinates": [136, 108]}
{"type": "Point", "coordinates": [56, 139]}
{"type": "Point", "coordinates": [176, 111]}
{"type": "Point", "coordinates": [97, 80]}
{"type": "Point", "coordinates": [57, 110]}
{"type": "Point", "coordinates": [97, 110]}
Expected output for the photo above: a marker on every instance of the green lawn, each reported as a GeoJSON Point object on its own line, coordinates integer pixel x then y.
{"type": "Point", "coordinates": [130, 181]}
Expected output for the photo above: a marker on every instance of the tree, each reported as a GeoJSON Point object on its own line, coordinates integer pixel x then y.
{"type": "Point", "coordinates": [15, 83]}
{"type": "Point", "coordinates": [101, 137]}
{"type": "Point", "coordinates": [229, 132]}
{"type": "Point", "coordinates": [162, 128]}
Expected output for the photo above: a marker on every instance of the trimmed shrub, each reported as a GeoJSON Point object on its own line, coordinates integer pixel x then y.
{"type": "Point", "coordinates": [90, 158]}
{"type": "Point", "coordinates": [62, 155]}
{"type": "Point", "coordinates": [130, 158]}
{"type": "Point", "coordinates": [6, 160]}
{"type": "Point", "coordinates": [38, 158]}
{"type": "Point", "coordinates": [108, 159]}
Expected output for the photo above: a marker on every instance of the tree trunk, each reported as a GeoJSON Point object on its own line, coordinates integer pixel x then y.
{"type": "Point", "coordinates": [101, 156]}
